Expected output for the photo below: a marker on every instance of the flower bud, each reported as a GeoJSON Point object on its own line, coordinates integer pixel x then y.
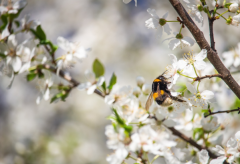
{"type": "Point", "coordinates": [146, 89]}
{"type": "Point", "coordinates": [229, 20]}
{"type": "Point", "coordinates": [136, 91]}
{"type": "Point", "coordinates": [233, 7]}
{"type": "Point", "coordinates": [200, 7]}
{"type": "Point", "coordinates": [140, 81]}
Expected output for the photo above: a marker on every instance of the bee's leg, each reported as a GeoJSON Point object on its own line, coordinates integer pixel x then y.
{"type": "Point", "coordinates": [177, 99]}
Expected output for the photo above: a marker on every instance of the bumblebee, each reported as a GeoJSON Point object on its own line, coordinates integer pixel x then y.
{"type": "Point", "coordinates": [160, 93]}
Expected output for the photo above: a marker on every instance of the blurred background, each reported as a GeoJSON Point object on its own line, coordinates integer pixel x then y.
{"type": "Point", "coordinates": [73, 131]}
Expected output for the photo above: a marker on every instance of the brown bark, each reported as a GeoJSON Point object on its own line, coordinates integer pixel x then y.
{"type": "Point", "coordinates": [203, 44]}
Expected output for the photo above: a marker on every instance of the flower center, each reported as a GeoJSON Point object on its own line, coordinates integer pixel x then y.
{"type": "Point", "coordinates": [162, 22]}
{"type": "Point", "coordinates": [12, 53]}
{"type": "Point", "coordinates": [179, 36]}
{"type": "Point", "coordinates": [189, 57]}
{"type": "Point", "coordinates": [170, 109]}
{"type": "Point", "coordinates": [200, 7]}
{"type": "Point", "coordinates": [198, 95]}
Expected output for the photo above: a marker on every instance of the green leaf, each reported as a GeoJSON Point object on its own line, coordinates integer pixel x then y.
{"type": "Point", "coordinates": [104, 86]}
{"type": "Point", "coordinates": [40, 75]}
{"type": "Point", "coordinates": [98, 68]}
{"type": "Point", "coordinates": [2, 55]}
{"type": "Point", "coordinates": [227, 5]}
{"type": "Point", "coordinates": [13, 16]}
{"type": "Point", "coordinates": [62, 95]}
{"type": "Point", "coordinates": [113, 81]}
{"type": "Point", "coordinates": [4, 19]}
{"type": "Point", "coordinates": [128, 128]}
{"type": "Point", "coordinates": [31, 76]}
{"type": "Point", "coordinates": [119, 120]}
{"type": "Point", "coordinates": [39, 33]}
{"type": "Point", "coordinates": [17, 23]}
{"type": "Point", "coordinates": [111, 118]}
{"type": "Point", "coordinates": [236, 104]}
{"type": "Point", "coordinates": [198, 133]}
{"type": "Point", "coordinates": [55, 97]}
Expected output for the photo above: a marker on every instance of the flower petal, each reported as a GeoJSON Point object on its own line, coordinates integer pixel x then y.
{"type": "Point", "coordinates": [207, 94]}
{"type": "Point", "coordinates": [174, 44]}
{"type": "Point", "coordinates": [167, 29]}
{"type": "Point", "coordinates": [219, 160]}
{"type": "Point", "coordinates": [191, 88]}
{"type": "Point", "coordinates": [153, 13]}
{"type": "Point", "coordinates": [63, 43]}
{"type": "Point", "coordinates": [126, 1]}
{"type": "Point", "coordinates": [165, 15]}
{"type": "Point", "coordinates": [200, 65]}
{"type": "Point", "coordinates": [202, 55]}
{"type": "Point", "coordinates": [203, 156]}
{"type": "Point", "coordinates": [91, 89]}
{"type": "Point", "coordinates": [188, 41]}
{"type": "Point", "coordinates": [100, 81]}
{"type": "Point", "coordinates": [16, 64]}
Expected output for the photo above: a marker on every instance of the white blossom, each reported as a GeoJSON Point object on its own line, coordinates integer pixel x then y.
{"type": "Point", "coordinates": [158, 23]}
{"type": "Point", "coordinates": [179, 41]}
{"type": "Point", "coordinates": [193, 9]}
{"type": "Point", "coordinates": [236, 20]}
{"type": "Point", "coordinates": [171, 70]}
{"type": "Point", "coordinates": [44, 90]}
{"type": "Point", "coordinates": [28, 24]}
{"type": "Point", "coordinates": [203, 156]}
{"type": "Point", "coordinates": [140, 81]}
{"type": "Point", "coordinates": [200, 99]}
{"type": "Point", "coordinates": [16, 54]}
{"type": "Point", "coordinates": [127, 1]}
{"type": "Point", "coordinates": [73, 51]}
{"type": "Point", "coordinates": [120, 96]}
{"type": "Point", "coordinates": [91, 83]}
{"type": "Point", "coordinates": [17, 6]}
{"type": "Point", "coordinates": [136, 91]}
{"type": "Point", "coordinates": [233, 7]}
{"type": "Point", "coordinates": [210, 123]}
{"type": "Point", "coordinates": [232, 57]}
{"type": "Point", "coordinates": [176, 108]}
{"type": "Point", "coordinates": [115, 139]}
{"type": "Point", "coordinates": [189, 60]}
{"type": "Point", "coordinates": [146, 88]}
{"type": "Point", "coordinates": [118, 156]}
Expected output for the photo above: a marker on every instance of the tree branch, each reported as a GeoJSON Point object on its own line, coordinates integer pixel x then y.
{"type": "Point", "coordinates": [190, 141]}
{"type": "Point", "coordinates": [203, 44]}
{"type": "Point", "coordinates": [223, 111]}
{"type": "Point", "coordinates": [68, 78]}
{"type": "Point", "coordinates": [207, 76]}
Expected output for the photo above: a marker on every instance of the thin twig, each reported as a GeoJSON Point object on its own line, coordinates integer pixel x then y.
{"type": "Point", "coordinates": [74, 82]}
{"type": "Point", "coordinates": [185, 138]}
{"type": "Point", "coordinates": [52, 54]}
{"type": "Point", "coordinates": [210, 22]}
{"type": "Point", "coordinates": [223, 111]}
{"type": "Point", "coordinates": [203, 44]}
{"type": "Point", "coordinates": [190, 141]}
{"type": "Point", "coordinates": [207, 76]}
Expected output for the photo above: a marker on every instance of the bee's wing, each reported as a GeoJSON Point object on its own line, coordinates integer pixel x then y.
{"type": "Point", "coordinates": [149, 101]}
{"type": "Point", "coordinates": [159, 93]}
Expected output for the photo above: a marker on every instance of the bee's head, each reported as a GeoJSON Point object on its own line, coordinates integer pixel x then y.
{"type": "Point", "coordinates": [161, 77]}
